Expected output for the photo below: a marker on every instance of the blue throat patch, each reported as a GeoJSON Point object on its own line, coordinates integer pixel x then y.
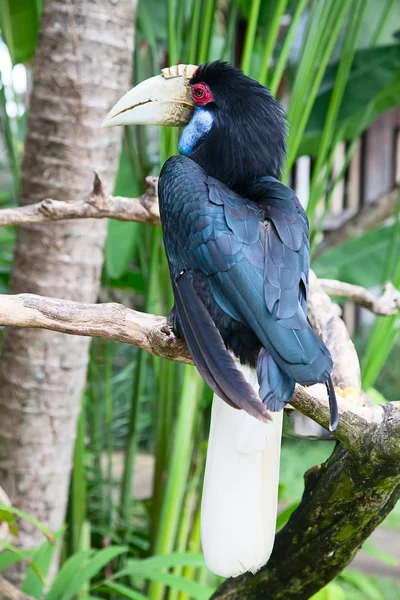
{"type": "Point", "coordinates": [198, 127]}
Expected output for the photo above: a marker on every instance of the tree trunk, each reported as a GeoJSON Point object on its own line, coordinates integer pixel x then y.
{"type": "Point", "coordinates": [342, 504]}
{"type": "Point", "coordinates": [82, 67]}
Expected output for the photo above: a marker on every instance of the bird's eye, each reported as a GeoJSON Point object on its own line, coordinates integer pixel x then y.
{"type": "Point", "coordinates": [202, 94]}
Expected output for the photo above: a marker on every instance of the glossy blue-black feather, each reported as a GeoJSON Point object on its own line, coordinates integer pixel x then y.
{"type": "Point", "coordinates": [252, 261]}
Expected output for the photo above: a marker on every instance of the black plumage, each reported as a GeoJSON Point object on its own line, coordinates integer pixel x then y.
{"type": "Point", "coordinates": [238, 250]}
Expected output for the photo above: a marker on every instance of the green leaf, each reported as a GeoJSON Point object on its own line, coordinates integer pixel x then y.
{"type": "Point", "coordinates": [122, 236]}
{"type": "Point", "coordinates": [374, 77]}
{"type": "Point", "coordinates": [360, 260]}
{"type": "Point", "coordinates": [10, 557]}
{"type": "Point", "coordinates": [68, 570]}
{"type": "Point", "coordinates": [21, 555]}
{"type": "Point", "coordinates": [32, 584]}
{"type": "Point", "coordinates": [193, 589]}
{"type": "Point", "coordinates": [8, 518]}
{"type": "Point", "coordinates": [132, 280]}
{"type": "Point", "coordinates": [141, 567]}
{"type": "Point", "coordinates": [120, 247]}
{"type": "Point", "coordinates": [285, 515]}
{"type": "Point", "coordinates": [76, 574]}
{"type": "Point", "coordinates": [363, 583]}
{"type": "Point", "coordinates": [19, 23]}
{"type": "Point", "coordinates": [376, 398]}
{"type": "Point", "coordinates": [369, 548]}
{"type": "Point", "coordinates": [332, 591]}
{"type": "Point", "coordinates": [6, 511]}
{"type": "Point", "coordinates": [122, 590]}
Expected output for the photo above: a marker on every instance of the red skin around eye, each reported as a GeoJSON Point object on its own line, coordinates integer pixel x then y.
{"type": "Point", "coordinates": [201, 94]}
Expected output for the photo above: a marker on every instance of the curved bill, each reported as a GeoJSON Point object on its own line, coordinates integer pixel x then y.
{"type": "Point", "coordinates": [162, 100]}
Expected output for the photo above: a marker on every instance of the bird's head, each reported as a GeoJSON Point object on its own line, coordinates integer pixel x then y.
{"type": "Point", "coordinates": [235, 129]}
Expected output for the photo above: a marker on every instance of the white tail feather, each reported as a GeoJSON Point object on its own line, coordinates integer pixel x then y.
{"type": "Point", "coordinates": [240, 493]}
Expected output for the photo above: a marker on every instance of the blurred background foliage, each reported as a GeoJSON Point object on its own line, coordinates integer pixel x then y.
{"type": "Point", "coordinates": [133, 519]}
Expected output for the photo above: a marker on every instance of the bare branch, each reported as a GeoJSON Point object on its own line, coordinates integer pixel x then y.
{"type": "Point", "coordinates": [387, 304]}
{"type": "Point", "coordinates": [154, 334]}
{"type": "Point", "coordinates": [354, 419]}
{"type": "Point", "coordinates": [108, 321]}
{"type": "Point", "coordinates": [325, 318]}
{"type": "Point", "coordinates": [9, 592]}
{"type": "Point", "coordinates": [368, 217]}
{"type": "Point", "coordinates": [98, 205]}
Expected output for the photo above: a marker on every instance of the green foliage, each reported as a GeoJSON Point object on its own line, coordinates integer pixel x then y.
{"type": "Point", "coordinates": [360, 260]}
{"type": "Point", "coordinates": [374, 78]}
{"type": "Point", "coordinates": [80, 569]}
{"type": "Point", "coordinates": [37, 571]}
{"type": "Point", "coordinates": [8, 514]}
{"type": "Point", "coordinates": [336, 66]}
{"type": "Point", "coordinates": [19, 22]}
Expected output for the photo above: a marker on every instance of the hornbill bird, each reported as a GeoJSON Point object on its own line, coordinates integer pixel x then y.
{"type": "Point", "coordinates": [237, 244]}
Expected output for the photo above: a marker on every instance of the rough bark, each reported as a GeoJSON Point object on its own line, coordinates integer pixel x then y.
{"type": "Point", "coordinates": [9, 592]}
{"type": "Point", "coordinates": [98, 205]}
{"type": "Point", "coordinates": [387, 304]}
{"type": "Point", "coordinates": [82, 66]}
{"type": "Point", "coordinates": [343, 503]}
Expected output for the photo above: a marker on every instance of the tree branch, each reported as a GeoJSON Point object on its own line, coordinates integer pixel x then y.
{"type": "Point", "coordinates": [109, 321]}
{"type": "Point", "coordinates": [9, 592]}
{"type": "Point", "coordinates": [368, 217]}
{"type": "Point", "coordinates": [343, 503]}
{"type": "Point", "coordinates": [325, 318]}
{"type": "Point", "coordinates": [154, 334]}
{"type": "Point", "coordinates": [387, 304]}
{"type": "Point", "coordinates": [98, 205]}
{"type": "Point", "coordinates": [145, 209]}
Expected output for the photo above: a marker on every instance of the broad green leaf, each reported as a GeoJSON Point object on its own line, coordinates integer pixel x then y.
{"type": "Point", "coordinates": [388, 98]}
{"type": "Point", "coordinates": [159, 25]}
{"type": "Point", "coordinates": [82, 574]}
{"type": "Point", "coordinates": [32, 584]}
{"type": "Point", "coordinates": [132, 280]}
{"type": "Point", "coordinates": [122, 236]}
{"type": "Point", "coordinates": [120, 247]}
{"type": "Point", "coordinates": [374, 77]}
{"type": "Point", "coordinates": [19, 23]}
{"type": "Point", "coordinates": [360, 260]}
{"type": "Point", "coordinates": [141, 567]}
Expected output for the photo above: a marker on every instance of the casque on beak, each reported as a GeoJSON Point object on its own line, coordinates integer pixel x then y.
{"type": "Point", "coordinates": [162, 100]}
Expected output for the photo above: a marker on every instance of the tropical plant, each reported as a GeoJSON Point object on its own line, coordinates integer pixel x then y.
{"type": "Point", "coordinates": [335, 67]}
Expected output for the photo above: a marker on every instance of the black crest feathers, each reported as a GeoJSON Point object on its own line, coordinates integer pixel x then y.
{"type": "Point", "coordinates": [248, 137]}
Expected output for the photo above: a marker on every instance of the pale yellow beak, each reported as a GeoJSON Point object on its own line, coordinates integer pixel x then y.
{"type": "Point", "coordinates": [162, 100]}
